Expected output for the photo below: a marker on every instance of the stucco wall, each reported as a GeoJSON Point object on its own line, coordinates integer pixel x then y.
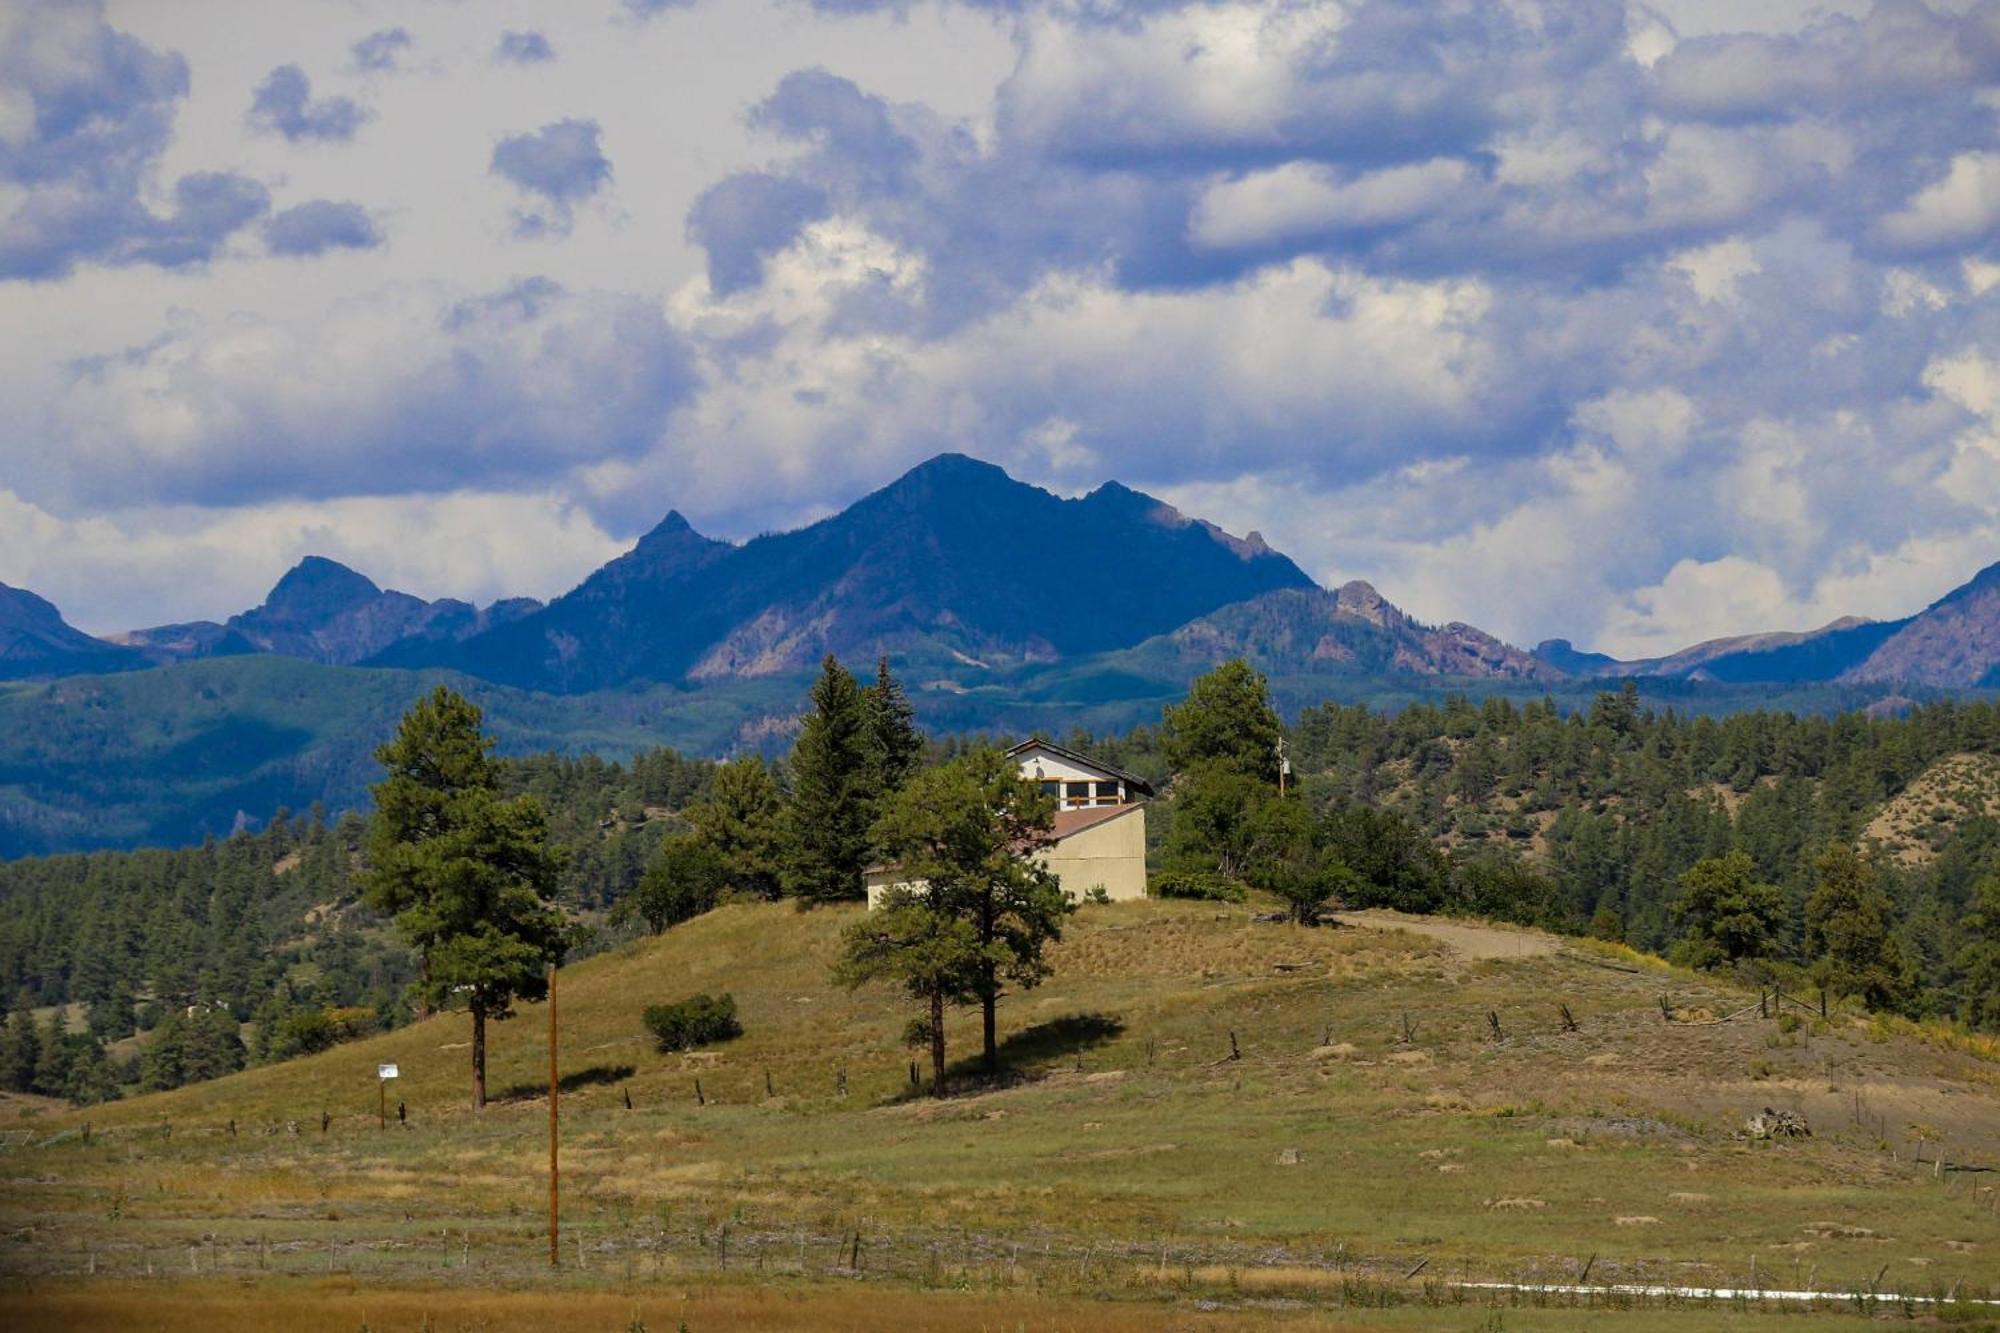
{"type": "Point", "coordinates": [1112, 854]}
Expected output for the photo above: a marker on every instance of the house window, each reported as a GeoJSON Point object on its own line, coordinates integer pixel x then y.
{"type": "Point", "coordinates": [1052, 789]}
{"type": "Point", "coordinates": [1108, 794]}
{"type": "Point", "coordinates": [1076, 793]}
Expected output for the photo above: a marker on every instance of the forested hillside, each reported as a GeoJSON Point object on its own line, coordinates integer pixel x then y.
{"type": "Point", "coordinates": [1662, 830]}
{"type": "Point", "coordinates": [268, 927]}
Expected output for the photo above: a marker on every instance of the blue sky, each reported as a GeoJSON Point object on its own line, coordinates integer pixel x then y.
{"type": "Point", "coordinates": [1634, 323]}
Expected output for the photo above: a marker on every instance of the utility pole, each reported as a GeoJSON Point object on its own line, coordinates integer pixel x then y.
{"type": "Point", "coordinates": [554, 1259]}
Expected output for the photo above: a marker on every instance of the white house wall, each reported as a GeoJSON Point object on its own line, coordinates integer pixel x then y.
{"type": "Point", "coordinates": [1110, 855]}
{"type": "Point", "coordinates": [1055, 768]}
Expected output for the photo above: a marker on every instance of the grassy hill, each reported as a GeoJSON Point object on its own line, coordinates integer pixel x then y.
{"type": "Point", "coordinates": [1129, 1159]}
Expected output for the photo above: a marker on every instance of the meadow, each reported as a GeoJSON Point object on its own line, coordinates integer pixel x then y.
{"type": "Point", "coordinates": [1208, 1121]}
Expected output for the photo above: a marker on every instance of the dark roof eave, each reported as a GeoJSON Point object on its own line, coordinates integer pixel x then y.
{"type": "Point", "coordinates": [1129, 779]}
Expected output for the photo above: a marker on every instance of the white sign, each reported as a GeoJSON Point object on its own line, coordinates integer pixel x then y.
{"type": "Point", "coordinates": [386, 1071]}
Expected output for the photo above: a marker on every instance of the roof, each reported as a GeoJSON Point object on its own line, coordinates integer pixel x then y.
{"type": "Point", "coordinates": [1036, 742]}
{"type": "Point", "coordinates": [1068, 823]}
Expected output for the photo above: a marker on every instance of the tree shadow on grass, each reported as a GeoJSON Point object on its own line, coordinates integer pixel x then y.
{"type": "Point", "coordinates": [595, 1076]}
{"type": "Point", "coordinates": [1024, 1056]}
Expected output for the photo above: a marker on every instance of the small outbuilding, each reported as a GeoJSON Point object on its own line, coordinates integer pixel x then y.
{"type": "Point", "coordinates": [1100, 824]}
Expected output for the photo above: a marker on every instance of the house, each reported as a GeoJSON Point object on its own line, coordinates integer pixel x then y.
{"type": "Point", "coordinates": [1100, 824]}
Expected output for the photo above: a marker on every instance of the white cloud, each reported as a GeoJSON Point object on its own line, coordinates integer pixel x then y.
{"type": "Point", "coordinates": [131, 568]}
{"type": "Point", "coordinates": [1962, 207]}
{"type": "Point", "coordinates": [1302, 199]}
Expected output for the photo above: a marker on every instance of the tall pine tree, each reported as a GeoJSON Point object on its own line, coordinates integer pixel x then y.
{"type": "Point", "coordinates": [739, 820]}
{"type": "Point", "coordinates": [1847, 930]}
{"type": "Point", "coordinates": [825, 839]}
{"type": "Point", "coordinates": [470, 878]}
{"type": "Point", "coordinates": [895, 746]}
{"type": "Point", "coordinates": [969, 832]}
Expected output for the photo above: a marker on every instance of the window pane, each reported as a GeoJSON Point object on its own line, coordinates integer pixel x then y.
{"type": "Point", "coordinates": [1078, 790]}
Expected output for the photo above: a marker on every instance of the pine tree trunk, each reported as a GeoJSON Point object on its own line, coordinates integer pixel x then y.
{"type": "Point", "coordinates": [988, 1002]}
{"type": "Point", "coordinates": [937, 1044]}
{"type": "Point", "coordinates": [478, 1056]}
{"type": "Point", "coordinates": [989, 992]}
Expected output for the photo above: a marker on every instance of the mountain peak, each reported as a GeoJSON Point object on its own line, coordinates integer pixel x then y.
{"type": "Point", "coordinates": [1358, 597]}
{"type": "Point", "coordinates": [36, 640]}
{"type": "Point", "coordinates": [316, 586]}
{"type": "Point", "coordinates": [673, 530]}
{"type": "Point", "coordinates": [952, 475]}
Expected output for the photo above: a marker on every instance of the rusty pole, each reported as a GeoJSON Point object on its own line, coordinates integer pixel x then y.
{"type": "Point", "coordinates": [554, 1259]}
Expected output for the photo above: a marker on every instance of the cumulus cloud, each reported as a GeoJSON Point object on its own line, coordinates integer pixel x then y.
{"type": "Point", "coordinates": [558, 166]}
{"type": "Point", "coordinates": [1569, 319]}
{"type": "Point", "coordinates": [381, 50]}
{"type": "Point", "coordinates": [283, 104]}
{"type": "Point", "coordinates": [646, 9]}
{"type": "Point", "coordinates": [85, 113]}
{"type": "Point", "coordinates": [321, 225]}
{"type": "Point", "coordinates": [1961, 209]}
{"type": "Point", "coordinates": [142, 566]}
{"type": "Point", "coordinates": [407, 390]}
{"type": "Point", "coordinates": [745, 219]}
{"type": "Point", "coordinates": [1303, 199]}
{"type": "Point", "coordinates": [523, 48]}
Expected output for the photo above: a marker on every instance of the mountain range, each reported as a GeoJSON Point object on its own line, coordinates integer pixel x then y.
{"type": "Point", "coordinates": [1006, 610]}
{"type": "Point", "coordinates": [1954, 643]}
{"type": "Point", "coordinates": [966, 575]}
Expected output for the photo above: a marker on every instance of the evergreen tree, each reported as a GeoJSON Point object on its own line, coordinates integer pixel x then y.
{"type": "Point", "coordinates": [685, 879]}
{"type": "Point", "coordinates": [52, 1057]}
{"type": "Point", "coordinates": [932, 953]}
{"type": "Point", "coordinates": [1977, 962]}
{"type": "Point", "coordinates": [1213, 818]}
{"type": "Point", "coordinates": [1226, 720]}
{"type": "Point", "coordinates": [969, 831]}
{"type": "Point", "coordinates": [1289, 856]}
{"type": "Point", "coordinates": [826, 822]}
{"type": "Point", "coordinates": [20, 1049]}
{"type": "Point", "coordinates": [1847, 930]}
{"type": "Point", "coordinates": [90, 1079]}
{"type": "Point", "coordinates": [895, 746]}
{"type": "Point", "coordinates": [1726, 914]}
{"type": "Point", "coordinates": [740, 820]}
{"type": "Point", "coordinates": [469, 877]}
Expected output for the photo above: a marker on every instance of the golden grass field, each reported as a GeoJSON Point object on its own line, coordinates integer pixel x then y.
{"type": "Point", "coordinates": [1131, 1175]}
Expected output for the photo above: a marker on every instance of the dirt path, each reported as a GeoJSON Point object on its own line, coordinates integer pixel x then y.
{"type": "Point", "coordinates": [1474, 941]}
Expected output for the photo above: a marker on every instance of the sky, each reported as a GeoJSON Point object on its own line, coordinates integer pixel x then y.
{"type": "Point", "coordinates": [1634, 324]}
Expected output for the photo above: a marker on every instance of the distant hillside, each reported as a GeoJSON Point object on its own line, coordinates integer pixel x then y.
{"type": "Point", "coordinates": [36, 641]}
{"type": "Point", "coordinates": [1953, 642]}
{"type": "Point", "coordinates": [169, 756]}
{"type": "Point", "coordinates": [953, 562]}
{"type": "Point", "coordinates": [325, 612]}
{"type": "Point", "coordinates": [1352, 632]}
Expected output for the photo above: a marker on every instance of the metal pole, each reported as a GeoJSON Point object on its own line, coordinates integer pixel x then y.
{"type": "Point", "coordinates": [554, 1259]}
{"type": "Point", "coordinates": [381, 1102]}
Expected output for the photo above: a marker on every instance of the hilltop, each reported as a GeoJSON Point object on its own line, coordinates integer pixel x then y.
{"type": "Point", "coordinates": [1132, 1158]}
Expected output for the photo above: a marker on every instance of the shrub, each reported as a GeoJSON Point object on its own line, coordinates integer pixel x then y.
{"type": "Point", "coordinates": [692, 1022]}
{"type": "Point", "coordinates": [1203, 885]}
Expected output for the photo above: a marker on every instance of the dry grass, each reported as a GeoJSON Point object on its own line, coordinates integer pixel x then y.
{"type": "Point", "coordinates": [1130, 1146]}
{"type": "Point", "coordinates": [1918, 820]}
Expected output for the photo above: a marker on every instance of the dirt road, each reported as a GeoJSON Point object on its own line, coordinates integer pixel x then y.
{"type": "Point", "coordinates": [1474, 941]}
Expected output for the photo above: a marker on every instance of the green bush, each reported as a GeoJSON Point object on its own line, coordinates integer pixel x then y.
{"type": "Point", "coordinates": [692, 1022]}
{"type": "Point", "coordinates": [1203, 885]}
